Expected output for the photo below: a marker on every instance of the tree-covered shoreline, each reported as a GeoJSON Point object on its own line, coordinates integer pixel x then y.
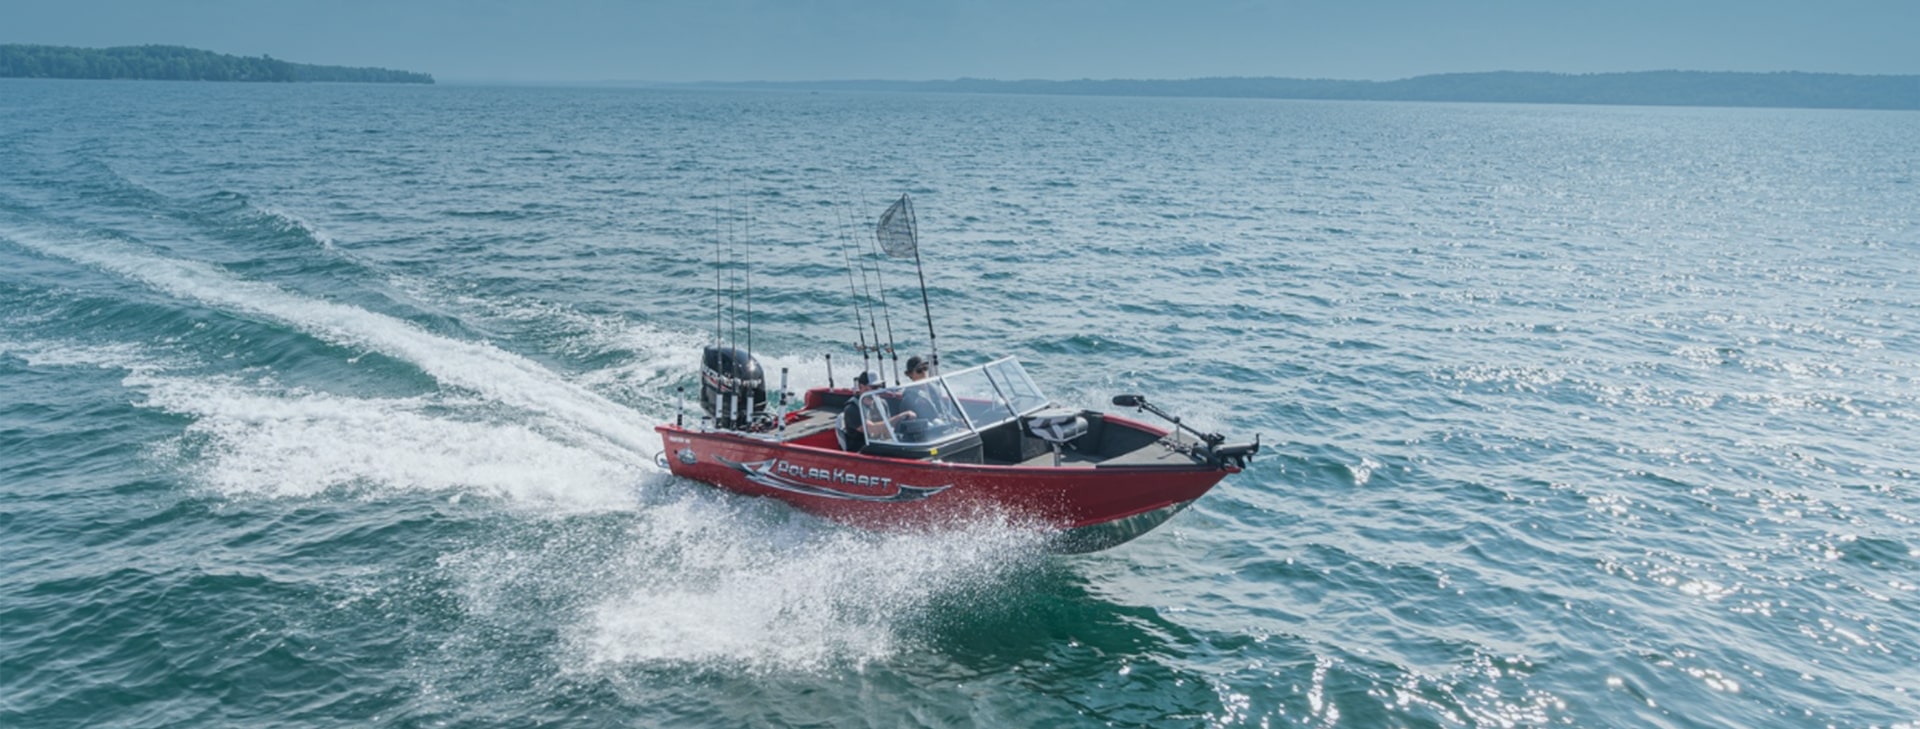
{"type": "Point", "coordinates": [1642, 88]}
{"type": "Point", "coordinates": [176, 63]}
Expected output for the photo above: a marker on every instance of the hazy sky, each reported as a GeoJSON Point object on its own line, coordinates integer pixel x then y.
{"type": "Point", "coordinates": [731, 40]}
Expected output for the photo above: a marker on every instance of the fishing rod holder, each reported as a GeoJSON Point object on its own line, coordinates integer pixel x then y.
{"type": "Point", "coordinates": [780, 411]}
{"type": "Point", "coordinates": [1213, 446]}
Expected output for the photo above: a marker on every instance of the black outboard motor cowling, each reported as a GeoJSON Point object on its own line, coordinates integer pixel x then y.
{"type": "Point", "coordinates": [730, 375]}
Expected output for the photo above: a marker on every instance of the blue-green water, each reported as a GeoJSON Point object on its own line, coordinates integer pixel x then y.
{"type": "Point", "coordinates": [332, 406]}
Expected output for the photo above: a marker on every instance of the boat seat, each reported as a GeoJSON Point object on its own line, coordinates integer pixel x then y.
{"type": "Point", "coordinates": [1057, 428]}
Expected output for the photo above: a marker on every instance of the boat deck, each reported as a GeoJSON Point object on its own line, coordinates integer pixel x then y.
{"type": "Point", "coordinates": [811, 422]}
{"type": "Point", "coordinates": [1154, 454]}
{"type": "Point", "coordinates": [814, 426]}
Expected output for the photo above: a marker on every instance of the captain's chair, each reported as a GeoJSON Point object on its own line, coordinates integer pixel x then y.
{"type": "Point", "coordinates": [1057, 429]}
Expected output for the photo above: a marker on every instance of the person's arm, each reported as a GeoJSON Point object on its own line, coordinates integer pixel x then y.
{"type": "Point", "coordinates": [905, 413]}
{"type": "Point", "coordinates": [875, 428]}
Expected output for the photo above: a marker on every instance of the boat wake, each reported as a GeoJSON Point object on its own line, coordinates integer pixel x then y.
{"type": "Point", "coordinates": [253, 437]}
{"type": "Point", "coordinates": [593, 554]}
{"type": "Point", "coordinates": [613, 431]}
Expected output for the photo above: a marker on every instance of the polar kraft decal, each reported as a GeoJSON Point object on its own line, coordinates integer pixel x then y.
{"type": "Point", "coordinates": [779, 474]}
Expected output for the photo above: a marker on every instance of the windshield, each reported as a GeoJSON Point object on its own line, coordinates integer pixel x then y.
{"type": "Point", "coordinates": [1022, 395]}
{"type": "Point", "coordinates": [936, 409]}
{"type": "Point", "coordinates": [921, 412]}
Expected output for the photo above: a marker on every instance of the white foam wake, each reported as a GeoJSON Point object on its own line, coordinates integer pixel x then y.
{"type": "Point", "coordinates": [292, 443]}
{"type": "Point", "coordinates": [264, 439]}
{"type": "Point", "coordinates": [494, 373]}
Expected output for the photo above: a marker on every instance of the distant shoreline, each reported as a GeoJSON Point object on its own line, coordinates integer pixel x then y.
{"type": "Point", "coordinates": [1782, 89]}
{"type": "Point", "coordinates": [1788, 89]}
{"type": "Point", "coordinates": [177, 63]}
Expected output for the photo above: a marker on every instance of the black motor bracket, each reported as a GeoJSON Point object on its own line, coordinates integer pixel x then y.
{"type": "Point", "coordinates": [1214, 449]}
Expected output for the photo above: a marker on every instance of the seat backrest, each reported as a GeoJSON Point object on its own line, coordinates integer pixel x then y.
{"type": "Point", "coordinates": [1057, 428]}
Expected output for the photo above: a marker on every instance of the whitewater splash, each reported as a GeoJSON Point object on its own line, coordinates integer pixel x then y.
{"type": "Point", "coordinates": [704, 581]}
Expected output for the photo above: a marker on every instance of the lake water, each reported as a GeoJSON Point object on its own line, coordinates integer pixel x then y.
{"type": "Point", "coordinates": [331, 405]}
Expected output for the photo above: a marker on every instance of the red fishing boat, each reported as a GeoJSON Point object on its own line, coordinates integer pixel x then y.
{"type": "Point", "coordinates": [989, 443]}
{"type": "Point", "coordinates": [945, 447]}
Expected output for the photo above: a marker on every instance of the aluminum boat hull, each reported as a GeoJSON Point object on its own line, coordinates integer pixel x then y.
{"type": "Point", "coordinates": [1091, 505]}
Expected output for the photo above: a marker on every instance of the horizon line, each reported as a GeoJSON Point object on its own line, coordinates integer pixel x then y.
{"type": "Point", "coordinates": [479, 80]}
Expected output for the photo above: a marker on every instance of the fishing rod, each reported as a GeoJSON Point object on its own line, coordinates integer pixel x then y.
{"type": "Point", "coordinates": [748, 403]}
{"type": "Point", "coordinates": [719, 311]}
{"type": "Point", "coordinates": [733, 386]}
{"type": "Point", "coordinates": [724, 374]}
{"type": "Point", "coordinates": [746, 259]}
{"type": "Point", "coordinates": [733, 281]}
{"type": "Point", "coordinates": [886, 310]}
{"type": "Point", "coordinates": [719, 299]}
{"type": "Point", "coordinates": [872, 318]}
{"type": "Point", "coordinates": [933, 346]}
{"type": "Point", "coordinates": [880, 353]}
{"type": "Point", "coordinates": [855, 296]}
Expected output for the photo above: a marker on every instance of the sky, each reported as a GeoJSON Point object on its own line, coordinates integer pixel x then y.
{"type": "Point", "coordinates": [584, 41]}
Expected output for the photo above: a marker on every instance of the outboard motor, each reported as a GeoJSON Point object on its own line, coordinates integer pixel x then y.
{"type": "Point", "coordinates": [733, 388]}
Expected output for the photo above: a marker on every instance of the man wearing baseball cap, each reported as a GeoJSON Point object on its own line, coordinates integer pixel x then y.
{"type": "Point", "coordinates": [853, 430]}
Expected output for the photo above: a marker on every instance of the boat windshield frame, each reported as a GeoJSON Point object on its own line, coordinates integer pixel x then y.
{"type": "Point", "coordinates": [952, 404]}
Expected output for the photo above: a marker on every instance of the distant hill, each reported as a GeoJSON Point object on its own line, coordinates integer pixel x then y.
{"type": "Point", "coordinates": [1647, 88]}
{"type": "Point", "coordinates": [174, 63]}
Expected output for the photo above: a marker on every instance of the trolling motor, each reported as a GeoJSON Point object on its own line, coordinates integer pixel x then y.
{"type": "Point", "coordinates": [1212, 446]}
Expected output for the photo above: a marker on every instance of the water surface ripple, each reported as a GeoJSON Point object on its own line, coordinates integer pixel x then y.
{"type": "Point", "coordinates": [331, 405]}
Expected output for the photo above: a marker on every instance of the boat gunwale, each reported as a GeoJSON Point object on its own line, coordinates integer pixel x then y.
{"type": "Point", "coordinates": [750, 439]}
